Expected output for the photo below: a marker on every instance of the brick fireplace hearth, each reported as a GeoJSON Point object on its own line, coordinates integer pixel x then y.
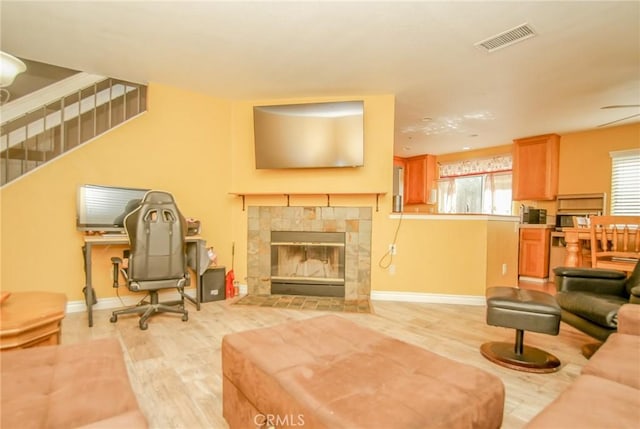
{"type": "Point", "coordinates": [355, 222]}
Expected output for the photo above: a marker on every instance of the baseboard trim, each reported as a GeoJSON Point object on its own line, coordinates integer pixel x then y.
{"type": "Point", "coordinates": [533, 279]}
{"type": "Point", "coordinates": [432, 298]}
{"type": "Point", "coordinates": [115, 302]}
{"type": "Point", "coordinates": [429, 298]}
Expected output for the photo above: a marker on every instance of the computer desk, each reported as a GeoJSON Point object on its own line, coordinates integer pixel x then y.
{"type": "Point", "coordinates": [109, 239]}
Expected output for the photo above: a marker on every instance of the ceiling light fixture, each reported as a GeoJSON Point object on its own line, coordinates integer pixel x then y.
{"type": "Point", "coordinates": [10, 67]}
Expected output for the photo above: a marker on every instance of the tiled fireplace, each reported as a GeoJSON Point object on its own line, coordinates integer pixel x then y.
{"type": "Point", "coordinates": [307, 263]}
{"type": "Point", "coordinates": [289, 263]}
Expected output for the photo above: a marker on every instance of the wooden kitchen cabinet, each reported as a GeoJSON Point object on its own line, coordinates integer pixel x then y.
{"type": "Point", "coordinates": [534, 252]}
{"type": "Point", "coordinates": [419, 175]}
{"type": "Point", "coordinates": [535, 167]}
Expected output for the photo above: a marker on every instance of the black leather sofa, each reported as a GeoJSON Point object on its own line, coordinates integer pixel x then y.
{"type": "Point", "coordinates": [590, 298]}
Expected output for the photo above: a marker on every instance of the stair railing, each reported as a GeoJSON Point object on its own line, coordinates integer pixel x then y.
{"type": "Point", "coordinates": [34, 138]}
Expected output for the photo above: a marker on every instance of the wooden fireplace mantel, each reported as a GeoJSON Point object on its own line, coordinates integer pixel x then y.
{"type": "Point", "coordinates": [287, 195]}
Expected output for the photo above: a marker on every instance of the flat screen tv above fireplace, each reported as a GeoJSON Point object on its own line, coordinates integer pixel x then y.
{"type": "Point", "coordinates": [309, 135]}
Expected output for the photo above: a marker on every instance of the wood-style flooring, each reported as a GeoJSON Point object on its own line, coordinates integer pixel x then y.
{"type": "Point", "coordinates": [175, 366]}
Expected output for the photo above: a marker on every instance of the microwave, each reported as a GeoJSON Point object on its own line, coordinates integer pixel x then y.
{"type": "Point", "coordinates": [569, 220]}
{"type": "Point", "coordinates": [564, 220]}
{"type": "Point", "coordinates": [531, 215]}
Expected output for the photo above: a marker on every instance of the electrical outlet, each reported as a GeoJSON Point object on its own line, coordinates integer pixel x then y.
{"type": "Point", "coordinates": [392, 249]}
{"type": "Point", "coordinates": [392, 269]}
{"type": "Point", "coordinates": [504, 269]}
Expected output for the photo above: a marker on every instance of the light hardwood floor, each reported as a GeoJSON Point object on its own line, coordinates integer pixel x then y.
{"type": "Point", "coordinates": [175, 366]}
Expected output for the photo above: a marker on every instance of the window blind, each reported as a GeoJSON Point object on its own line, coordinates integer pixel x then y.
{"type": "Point", "coordinates": [625, 182]}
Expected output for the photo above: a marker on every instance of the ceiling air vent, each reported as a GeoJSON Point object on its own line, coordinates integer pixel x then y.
{"type": "Point", "coordinates": [506, 38]}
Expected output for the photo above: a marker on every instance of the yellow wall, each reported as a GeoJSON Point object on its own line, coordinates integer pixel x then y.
{"type": "Point", "coordinates": [585, 164]}
{"type": "Point", "coordinates": [200, 148]}
{"type": "Point", "coordinates": [374, 177]}
{"type": "Point", "coordinates": [475, 154]}
{"type": "Point", "coordinates": [449, 256]}
{"type": "Point", "coordinates": [180, 145]}
{"type": "Point", "coordinates": [502, 249]}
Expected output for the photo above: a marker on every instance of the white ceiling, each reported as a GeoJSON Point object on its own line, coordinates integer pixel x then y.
{"type": "Point", "coordinates": [586, 55]}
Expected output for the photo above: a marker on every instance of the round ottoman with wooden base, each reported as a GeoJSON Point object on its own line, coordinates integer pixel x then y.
{"type": "Point", "coordinates": [522, 310]}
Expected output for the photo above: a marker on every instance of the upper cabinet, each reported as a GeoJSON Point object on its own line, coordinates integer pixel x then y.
{"type": "Point", "coordinates": [419, 176]}
{"type": "Point", "coordinates": [535, 167]}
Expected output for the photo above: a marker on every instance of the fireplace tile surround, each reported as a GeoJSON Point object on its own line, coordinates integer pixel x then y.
{"type": "Point", "coordinates": [355, 222]}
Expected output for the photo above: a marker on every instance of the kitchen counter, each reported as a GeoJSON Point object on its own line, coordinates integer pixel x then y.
{"type": "Point", "coordinates": [536, 226]}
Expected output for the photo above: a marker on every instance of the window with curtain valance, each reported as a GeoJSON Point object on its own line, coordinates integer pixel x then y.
{"type": "Point", "coordinates": [476, 186]}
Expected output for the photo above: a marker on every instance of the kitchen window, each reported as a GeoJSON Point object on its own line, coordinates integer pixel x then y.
{"type": "Point", "coordinates": [476, 186]}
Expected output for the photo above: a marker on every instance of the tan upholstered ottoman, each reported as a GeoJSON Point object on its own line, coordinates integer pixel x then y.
{"type": "Point", "coordinates": [328, 372]}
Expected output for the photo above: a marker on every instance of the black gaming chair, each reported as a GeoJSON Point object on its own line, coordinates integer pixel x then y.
{"type": "Point", "coordinates": [156, 230]}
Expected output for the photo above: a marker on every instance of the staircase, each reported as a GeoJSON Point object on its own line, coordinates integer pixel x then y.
{"type": "Point", "coordinates": [62, 117]}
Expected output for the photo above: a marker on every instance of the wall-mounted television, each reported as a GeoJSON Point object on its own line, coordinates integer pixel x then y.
{"type": "Point", "coordinates": [103, 208]}
{"type": "Point", "coordinates": [309, 135]}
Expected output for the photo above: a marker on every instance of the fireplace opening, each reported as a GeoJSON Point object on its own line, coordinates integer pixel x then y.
{"type": "Point", "coordinates": [308, 263]}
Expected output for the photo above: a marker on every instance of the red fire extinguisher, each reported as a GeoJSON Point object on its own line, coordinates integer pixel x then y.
{"type": "Point", "coordinates": [229, 289]}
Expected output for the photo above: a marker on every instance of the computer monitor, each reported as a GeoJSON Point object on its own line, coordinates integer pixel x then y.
{"type": "Point", "coordinates": [103, 208]}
